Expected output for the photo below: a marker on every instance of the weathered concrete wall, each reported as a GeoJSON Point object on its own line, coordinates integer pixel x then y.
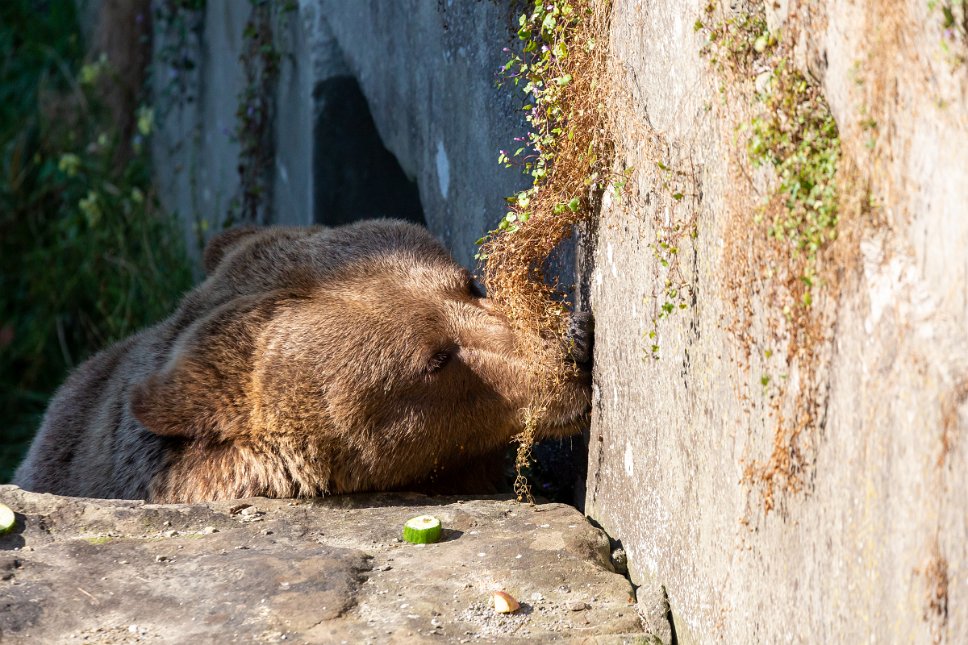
{"type": "Point", "coordinates": [195, 152]}
{"type": "Point", "coordinates": [426, 71]}
{"type": "Point", "coordinates": [873, 548]}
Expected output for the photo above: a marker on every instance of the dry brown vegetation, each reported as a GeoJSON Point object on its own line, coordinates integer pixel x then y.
{"type": "Point", "coordinates": [789, 256]}
{"type": "Point", "coordinates": [578, 155]}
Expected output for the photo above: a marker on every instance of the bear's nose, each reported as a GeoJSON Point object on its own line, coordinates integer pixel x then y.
{"type": "Point", "coordinates": [580, 339]}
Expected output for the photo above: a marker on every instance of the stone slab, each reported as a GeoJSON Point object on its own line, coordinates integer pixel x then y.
{"type": "Point", "coordinates": [306, 571]}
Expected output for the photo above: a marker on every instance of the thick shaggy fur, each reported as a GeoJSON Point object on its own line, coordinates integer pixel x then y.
{"type": "Point", "coordinates": [311, 361]}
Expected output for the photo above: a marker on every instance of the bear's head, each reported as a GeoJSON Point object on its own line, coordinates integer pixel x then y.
{"type": "Point", "coordinates": [339, 360]}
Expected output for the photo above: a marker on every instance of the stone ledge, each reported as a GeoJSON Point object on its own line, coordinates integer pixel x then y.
{"type": "Point", "coordinates": [320, 570]}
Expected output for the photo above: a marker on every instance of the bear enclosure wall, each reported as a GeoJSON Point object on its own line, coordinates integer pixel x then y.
{"type": "Point", "coordinates": [423, 71]}
{"type": "Point", "coordinates": [779, 461]}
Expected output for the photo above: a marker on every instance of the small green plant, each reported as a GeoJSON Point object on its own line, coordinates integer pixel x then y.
{"type": "Point", "coordinates": [796, 135]}
{"type": "Point", "coordinates": [180, 24]}
{"type": "Point", "coordinates": [538, 70]}
{"type": "Point", "coordinates": [178, 31]}
{"type": "Point", "coordinates": [954, 26]}
{"type": "Point", "coordinates": [553, 36]}
{"type": "Point", "coordinates": [86, 254]}
{"type": "Point", "coordinates": [735, 41]}
{"type": "Point", "coordinates": [675, 293]}
{"type": "Point", "coordinates": [99, 540]}
{"type": "Point", "coordinates": [792, 131]}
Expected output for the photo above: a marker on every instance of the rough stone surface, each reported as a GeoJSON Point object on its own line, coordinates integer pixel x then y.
{"type": "Point", "coordinates": [875, 548]}
{"type": "Point", "coordinates": [307, 571]}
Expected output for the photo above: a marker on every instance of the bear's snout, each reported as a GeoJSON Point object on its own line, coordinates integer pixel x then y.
{"type": "Point", "coordinates": [580, 339]}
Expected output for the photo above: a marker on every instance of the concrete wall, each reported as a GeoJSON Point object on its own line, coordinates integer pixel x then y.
{"type": "Point", "coordinates": [872, 544]}
{"type": "Point", "coordinates": [873, 548]}
{"type": "Point", "coordinates": [194, 150]}
{"type": "Point", "coordinates": [426, 71]}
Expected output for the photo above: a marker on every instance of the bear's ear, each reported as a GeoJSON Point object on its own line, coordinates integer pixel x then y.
{"type": "Point", "coordinates": [168, 404]}
{"type": "Point", "coordinates": [192, 400]}
{"type": "Point", "coordinates": [219, 246]}
{"type": "Point", "coordinates": [204, 388]}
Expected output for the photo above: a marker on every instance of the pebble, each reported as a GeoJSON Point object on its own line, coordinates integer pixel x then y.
{"type": "Point", "coordinates": [620, 561]}
{"type": "Point", "coordinates": [578, 605]}
{"type": "Point", "coordinates": [251, 514]}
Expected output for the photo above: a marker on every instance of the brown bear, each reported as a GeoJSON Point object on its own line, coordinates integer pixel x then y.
{"type": "Point", "coordinates": [311, 361]}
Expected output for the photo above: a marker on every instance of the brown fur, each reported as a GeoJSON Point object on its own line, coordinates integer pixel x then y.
{"type": "Point", "coordinates": [311, 361]}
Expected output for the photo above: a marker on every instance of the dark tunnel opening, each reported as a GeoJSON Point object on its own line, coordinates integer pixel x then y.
{"type": "Point", "coordinates": [356, 177]}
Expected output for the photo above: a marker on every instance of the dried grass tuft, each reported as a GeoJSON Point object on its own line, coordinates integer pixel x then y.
{"type": "Point", "coordinates": [514, 260]}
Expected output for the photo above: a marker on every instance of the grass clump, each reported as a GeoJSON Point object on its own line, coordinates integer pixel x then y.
{"type": "Point", "coordinates": [86, 254]}
{"type": "Point", "coordinates": [559, 67]}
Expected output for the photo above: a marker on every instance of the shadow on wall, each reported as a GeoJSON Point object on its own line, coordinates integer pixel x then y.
{"type": "Point", "coordinates": [356, 177]}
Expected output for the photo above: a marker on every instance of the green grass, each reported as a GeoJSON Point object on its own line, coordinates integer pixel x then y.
{"type": "Point", "coordinates": [86, 255]}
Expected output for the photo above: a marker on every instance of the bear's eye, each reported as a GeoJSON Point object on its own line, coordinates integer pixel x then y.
{"type": "Point", "coordinates": [438, 361]}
